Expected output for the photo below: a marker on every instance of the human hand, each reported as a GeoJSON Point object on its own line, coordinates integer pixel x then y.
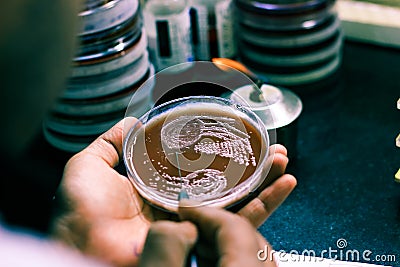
{"type": "Point", "coordinates": [99, 211]}
{"type": "Point", "coordinates": [221, 239]}
{"type": "Point", "coordinates": [102, 215]}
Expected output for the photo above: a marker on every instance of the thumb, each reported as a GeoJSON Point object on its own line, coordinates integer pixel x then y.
{"type": "Point", "coordinates": [108, 146]}
{"type": "Point", "coordinates": [168, 244]}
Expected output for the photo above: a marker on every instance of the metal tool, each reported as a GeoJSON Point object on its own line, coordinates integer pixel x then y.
{"type": "Point", "coordinates": [183, 194]}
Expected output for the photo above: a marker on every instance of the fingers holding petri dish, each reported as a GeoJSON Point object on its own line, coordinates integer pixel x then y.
{"type": "Point", "coordinates": [215, 150]}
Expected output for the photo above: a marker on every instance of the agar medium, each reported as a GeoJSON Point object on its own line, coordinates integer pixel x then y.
{"type": "Point", "coordinates": [215, 149]}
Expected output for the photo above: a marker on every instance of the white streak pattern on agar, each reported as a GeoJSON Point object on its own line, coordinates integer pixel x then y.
{"type": "Point", "coordinates": [187, 131]}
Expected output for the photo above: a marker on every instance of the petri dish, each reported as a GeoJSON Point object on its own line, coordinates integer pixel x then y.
{"type": "Point", "coordinates": [215, 149]}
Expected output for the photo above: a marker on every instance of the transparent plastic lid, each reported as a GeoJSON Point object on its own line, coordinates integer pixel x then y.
{"type": "Point", "coordinates": [216, 149]}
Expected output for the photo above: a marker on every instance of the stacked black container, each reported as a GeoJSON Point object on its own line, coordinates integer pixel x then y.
{"type": "Point", "coordinates": [290, 43]}
{"type": "Point", "coordinates": [110, 64]}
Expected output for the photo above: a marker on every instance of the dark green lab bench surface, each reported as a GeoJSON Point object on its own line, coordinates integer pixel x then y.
{"type": "Point", "coordinates": [345, 164]}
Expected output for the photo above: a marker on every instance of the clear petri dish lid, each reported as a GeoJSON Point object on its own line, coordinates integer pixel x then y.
{"type": "Point", "coordinates": [283, 8]}
{"type": "Point", "coordinates": [111, 83]}
{"type": "Point", "coordinates": [199, 143]}
{"type": "Point", "coordinates": [290, 39]}
{"type": "Point", "coordinates": [284, 105]}
{"type": "Point", "coordinates": [133, 23]}
{"type": "Point", "coordinates": [92, 4]}
{"type": "Point", "coordinates": [106, 65]}
{"type": "Point", "coordinates": [287, 24]}
{"type": "Point", "coordinates": [105, 50]}
{"type": "Point", "coordinates": [106, 16]}
{"type": "Point", "coordinates": [213, 148]}
{"type": "Point", "coordinates": [296, 58]}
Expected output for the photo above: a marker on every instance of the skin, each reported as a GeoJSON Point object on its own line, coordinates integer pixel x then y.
{"type": "Point", "coordinates": [102, 215]}
{"type": "Point", "coordinates": [214, 234]}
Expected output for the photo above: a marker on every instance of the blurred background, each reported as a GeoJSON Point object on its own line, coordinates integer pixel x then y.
{"type": "Point", "coordinates": [339, 58]}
